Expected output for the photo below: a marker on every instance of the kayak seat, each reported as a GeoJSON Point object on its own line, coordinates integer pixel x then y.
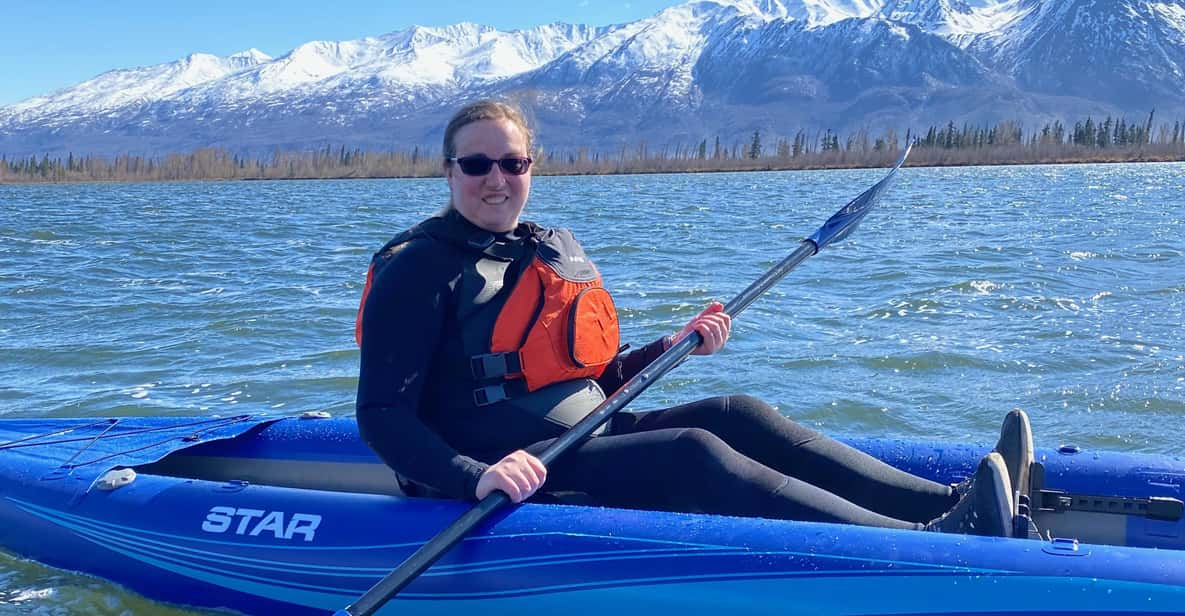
{"type": "Point", "coordinates": [564, 498]}
{"type": "Point", "coordinates": [411, 488]}
{"type": "Point", "coordinates": [286, 454]}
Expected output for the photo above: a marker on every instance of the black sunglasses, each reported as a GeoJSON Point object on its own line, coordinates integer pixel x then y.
{"type": "Point", "coordinates": [480, 164]}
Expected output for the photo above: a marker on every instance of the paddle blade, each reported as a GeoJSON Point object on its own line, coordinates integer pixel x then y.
{"type": "Point", "coordinates": [847, 218]}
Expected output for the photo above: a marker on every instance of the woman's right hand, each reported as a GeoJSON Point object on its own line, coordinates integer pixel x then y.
{"type": "Point", "coordinates": [519, 475]}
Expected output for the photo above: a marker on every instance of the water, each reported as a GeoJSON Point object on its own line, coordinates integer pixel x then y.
{"type": "Point", "coordinates": [967, 292]}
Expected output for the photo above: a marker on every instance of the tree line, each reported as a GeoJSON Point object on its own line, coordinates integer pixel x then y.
{"type": "Point", "coordinates": [1006, 142]}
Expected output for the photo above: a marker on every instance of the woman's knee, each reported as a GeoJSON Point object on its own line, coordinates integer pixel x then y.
{"type": "Point", "coordinates": [757, 412]}
{"type": "Point", "coordinates": [753, 409]}
{"type": "Point", "coordinates": [745, 403]}
{"type": "Point", "coordinates": [698, 444]}
{"type": "Point", "coordinates": [699, 452]}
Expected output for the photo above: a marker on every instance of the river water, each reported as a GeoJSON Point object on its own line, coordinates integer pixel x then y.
{"type": "Point", "coordinates": [967, 292]}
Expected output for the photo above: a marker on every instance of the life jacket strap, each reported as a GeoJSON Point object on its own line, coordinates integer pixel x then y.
{"type": "Point", "coordinates": [492, 394]}
{"type": "Point", "coordinates": [496, 365]}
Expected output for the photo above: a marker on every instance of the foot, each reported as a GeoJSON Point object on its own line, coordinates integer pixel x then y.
{"type": "Point", "coordinates": [1016, 447]}
{"type": "Point", "coordinates": [986, 508]}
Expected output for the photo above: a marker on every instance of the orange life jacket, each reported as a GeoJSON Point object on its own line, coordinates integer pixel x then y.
{"type": "Point", "coordinates": [362, 303]}
{"type": "Point", "coordinates": [559, 322]}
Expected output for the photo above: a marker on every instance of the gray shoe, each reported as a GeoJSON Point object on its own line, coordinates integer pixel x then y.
{"type": "Point", "coordinates": [986, 508]}
{"type": "Point", "coordinates": [1016, 447]}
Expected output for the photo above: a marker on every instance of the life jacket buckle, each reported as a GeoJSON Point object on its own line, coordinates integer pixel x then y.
{"type": "Point", "coordinates": [495, 365]}
{"type": "Point", "coordinates": [490, 394]}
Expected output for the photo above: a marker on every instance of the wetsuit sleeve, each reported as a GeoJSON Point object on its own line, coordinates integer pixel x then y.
{"type": "Point", "coordinates": [401, 325]}
{"type": "Point", "coordinates": [623, 367]}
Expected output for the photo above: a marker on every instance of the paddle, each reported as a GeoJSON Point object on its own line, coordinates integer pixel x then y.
{"type": "Point", "coordinates": [839, 226]}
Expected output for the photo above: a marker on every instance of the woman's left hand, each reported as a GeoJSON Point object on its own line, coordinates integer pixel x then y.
{"type": "Point", "coordinates": [713, 324]}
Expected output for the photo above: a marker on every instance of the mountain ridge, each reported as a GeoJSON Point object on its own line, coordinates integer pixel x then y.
{"type": "Point", "coordinates": [692, 71]}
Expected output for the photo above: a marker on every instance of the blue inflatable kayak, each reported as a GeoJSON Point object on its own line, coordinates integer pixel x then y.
{"type": "Point", "coordinates": [268, 515]}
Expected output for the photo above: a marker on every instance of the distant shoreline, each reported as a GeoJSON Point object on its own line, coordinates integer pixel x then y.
{"type": "Point", "coordinates": [921, 157]}
{"type": "Point", "coordinates": [1005, 143]}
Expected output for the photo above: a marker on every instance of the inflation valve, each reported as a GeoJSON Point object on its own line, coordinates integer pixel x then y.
{"type": "Point", "coordinates": [117, 478]}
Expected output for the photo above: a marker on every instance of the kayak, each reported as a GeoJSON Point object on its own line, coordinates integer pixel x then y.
{"type": "Point", "coordinates": [295, 515]}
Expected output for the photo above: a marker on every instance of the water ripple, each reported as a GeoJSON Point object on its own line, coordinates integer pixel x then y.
{"type": "Point", "coordinates": [967, 292]}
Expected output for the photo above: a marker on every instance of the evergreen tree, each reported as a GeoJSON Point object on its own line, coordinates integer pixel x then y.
{"type": "Point", "coordinates": [931, 137]}
{"type": "Point", "coordinates": [755, 146]}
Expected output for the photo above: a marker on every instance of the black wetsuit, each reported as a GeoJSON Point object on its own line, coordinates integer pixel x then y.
{"type": "Point", "coordinates": [731, 455]}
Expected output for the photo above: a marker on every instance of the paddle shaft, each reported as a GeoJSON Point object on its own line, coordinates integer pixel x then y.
{"type": "Point", "coordinates": [836, 227]}
{"type": "Point", "coordinates": [439, 545]}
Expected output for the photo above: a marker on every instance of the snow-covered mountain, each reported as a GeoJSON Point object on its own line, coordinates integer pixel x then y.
{"type": "Point", "coordinates": [693, 71]}
{"type": "Point", "coordinates": [1126, 52]}
{"type": "Point", "coordinates": [956, 19]}
{"type": "Point", "coordinates": [116, 89]}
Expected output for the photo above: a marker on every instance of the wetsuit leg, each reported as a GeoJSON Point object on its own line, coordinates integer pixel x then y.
{"type": "Point", "coordinates": [758, 431]}
{"type": "Point", "coordinates": [692, 470]}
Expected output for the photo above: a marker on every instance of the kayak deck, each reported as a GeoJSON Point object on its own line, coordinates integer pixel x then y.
{"type": "Point", "coordinates": [298, 516]}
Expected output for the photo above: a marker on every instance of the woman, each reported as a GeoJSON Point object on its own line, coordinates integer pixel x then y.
{"type": "Point", "coordinates": [484, 337]}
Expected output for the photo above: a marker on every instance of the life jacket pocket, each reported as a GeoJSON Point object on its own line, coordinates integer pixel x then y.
{"type": "Point", "coordinates": [593, 331]}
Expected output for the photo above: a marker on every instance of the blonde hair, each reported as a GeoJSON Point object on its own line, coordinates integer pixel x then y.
{"type": "Point", "coordinates": [483, 110]}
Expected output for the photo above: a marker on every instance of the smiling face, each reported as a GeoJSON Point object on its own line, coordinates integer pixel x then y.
{"type": "Point", "coordinates": [492, 201]}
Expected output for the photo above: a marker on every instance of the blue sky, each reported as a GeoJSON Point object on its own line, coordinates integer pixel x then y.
{"type": "Point", "coordinates": [46, 45]}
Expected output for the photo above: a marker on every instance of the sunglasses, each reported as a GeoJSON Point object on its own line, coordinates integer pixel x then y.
{"type": "Point", "coordinates": [480, 164]}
